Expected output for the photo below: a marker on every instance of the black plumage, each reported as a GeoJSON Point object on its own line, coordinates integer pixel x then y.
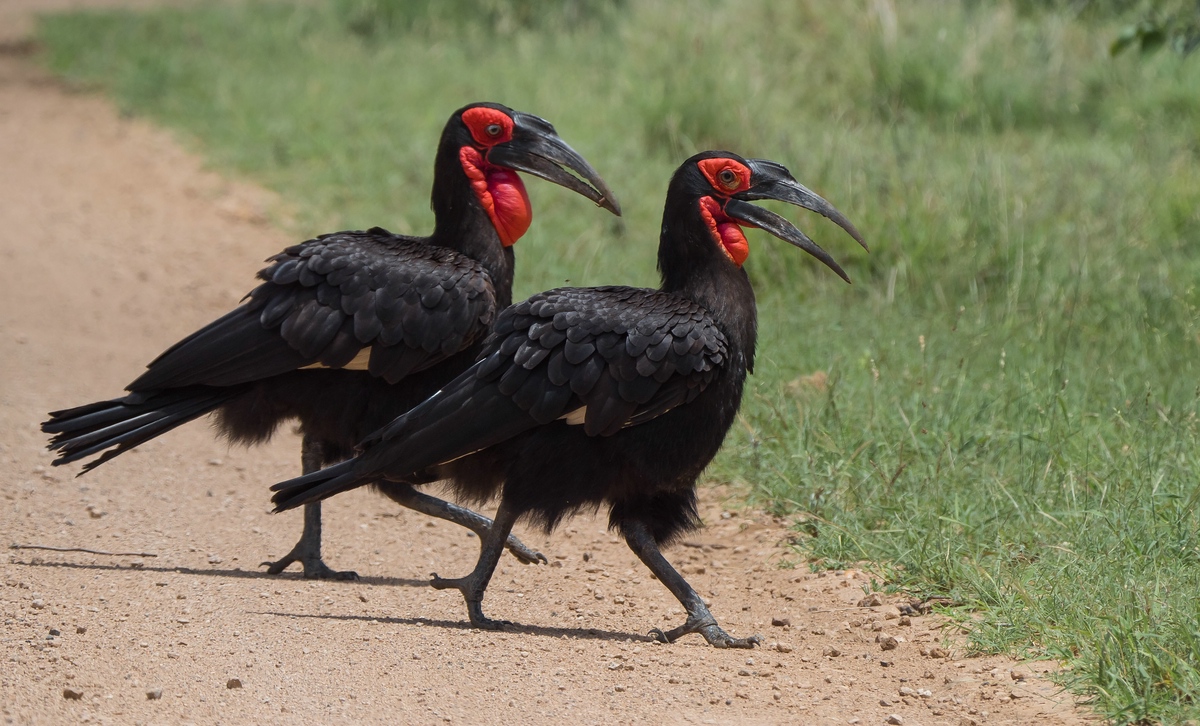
{"type": "Point", "coordinates": [611, 396]}
{"type": "Point", "coordinates": [348, 330]}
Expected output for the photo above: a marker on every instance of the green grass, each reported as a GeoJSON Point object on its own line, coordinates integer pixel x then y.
{"type": "Point", "coordinates": [1007, 406]}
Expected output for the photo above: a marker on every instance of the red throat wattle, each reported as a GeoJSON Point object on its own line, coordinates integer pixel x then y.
{"type": "Point", "coordinates": [725, 232]}
{"type": "Point", "coordinates": [502, 194]}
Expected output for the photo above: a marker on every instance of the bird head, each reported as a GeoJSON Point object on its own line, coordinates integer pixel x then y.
{"type": "Point", "coordinates": [716, 188]}
{"type": "Point", "coordinates": [494, 142]}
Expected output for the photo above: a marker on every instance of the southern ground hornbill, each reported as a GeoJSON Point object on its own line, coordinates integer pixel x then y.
{"type": "Point", "coordinates": [349, 330]}
{"type": "Point", "coordinates": [608, 395]}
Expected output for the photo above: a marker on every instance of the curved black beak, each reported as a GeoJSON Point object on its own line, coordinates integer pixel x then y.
{"type": "Point", "coordinates": [773, 181]}
{"type": "Point", "coordinates": [536, 148]}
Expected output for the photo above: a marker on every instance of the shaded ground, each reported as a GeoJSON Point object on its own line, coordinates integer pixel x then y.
{"type": "Point", "coordinates": [116, 244]}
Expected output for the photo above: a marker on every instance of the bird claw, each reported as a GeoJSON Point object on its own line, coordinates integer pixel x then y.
{"type": "Point", "coordinates": [440, 583]}
{"type": "Point", "coordinates": [525, 555]}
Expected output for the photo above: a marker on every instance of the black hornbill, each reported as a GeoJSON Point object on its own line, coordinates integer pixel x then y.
{"type": "Point", "coordinates": [351, 329]}
{"type": "Point", "coordinates": [609, 395]}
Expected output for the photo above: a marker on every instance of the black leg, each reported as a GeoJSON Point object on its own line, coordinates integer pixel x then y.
{"type": "Point", "coordinates": [308, 550]}
{"type": "Point", "coordinates": [473, 585]}
{"type": "Point", "coordinates": [406, 495]}
{"type": "Point", "coordinates": [699, 619]}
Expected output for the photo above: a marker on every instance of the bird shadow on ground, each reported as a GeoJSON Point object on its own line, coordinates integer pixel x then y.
{"type": "Point", "coordinates": [243, 574]}
{"type": "Point", "coordinates": [512, 628]}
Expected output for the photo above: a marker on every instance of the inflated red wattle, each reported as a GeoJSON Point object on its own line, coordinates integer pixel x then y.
{"type": "Point", "coordinates": [725, 232]}
{"type": "Point", "coordinates": [501, 193]}
{"type": "Point", "coordinates": [513, 211]}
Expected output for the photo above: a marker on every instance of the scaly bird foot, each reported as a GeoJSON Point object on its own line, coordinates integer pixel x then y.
{"type": "Point", "coordinates": [314, 567]}
{"type": "Point", "coordinates": [468, 588]}
{"type": "Point", "coordinates": [708, 628]}
{"type": "Point", "coordinates": [523, 553]}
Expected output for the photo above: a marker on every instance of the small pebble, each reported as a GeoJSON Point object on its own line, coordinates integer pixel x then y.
{"type": "Point", "coordinates": [887, 642]}
{"type": "Point", "coordinates": [871, 601]}
{"type": "Point", "coordinates": [71, 694]}
{"type": "Point", "coordinates": [1017, 674]}
{"type": "Point", "coordinates": [56, 631]}
{"type": "Point", "coordinates": [38, 604]}
{"type": "Point", "coordinates": [214, 559]}
{"type": "Point", "coordinates": [153, 694]}
{"type": "Point", "coordinates": [233, 683]}
{"type": "Point", "coordinates": [895, 719]}
{"type": "Point", "coordinates": [781, 622]}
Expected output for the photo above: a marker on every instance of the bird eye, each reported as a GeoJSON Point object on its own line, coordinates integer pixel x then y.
{"type": "Point", "coordinates": [493, 130]}
{"type": "Point", "coordinates": [728, 179]}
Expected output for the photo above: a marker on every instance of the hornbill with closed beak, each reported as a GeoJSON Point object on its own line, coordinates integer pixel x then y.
{"type": "Point", "coordinates": [609, 395]}
{"type": "Point", "coordinates": [351, 329]}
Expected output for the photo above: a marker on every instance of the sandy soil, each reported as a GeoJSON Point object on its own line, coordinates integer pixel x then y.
{"type": "Point", "coordinates": [116, 243]}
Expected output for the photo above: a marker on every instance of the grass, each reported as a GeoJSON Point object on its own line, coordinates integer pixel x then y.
{"type": "Point", "coordinates": [1002, 409]}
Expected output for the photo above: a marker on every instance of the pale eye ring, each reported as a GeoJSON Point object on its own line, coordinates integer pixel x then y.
{"type": "Point", "coordinates": [492, 130]}
{"type": "Point", "coordinates": [727, 178]}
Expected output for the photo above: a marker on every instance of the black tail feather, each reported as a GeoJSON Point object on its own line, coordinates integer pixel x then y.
{"type": "Point", "coordinates": [316, 486]}
{"type": "Point", "coordinates": [123, 423]}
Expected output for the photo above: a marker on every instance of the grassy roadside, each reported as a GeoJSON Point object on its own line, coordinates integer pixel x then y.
{"type": "Point", "coordinates": [1003, 408]}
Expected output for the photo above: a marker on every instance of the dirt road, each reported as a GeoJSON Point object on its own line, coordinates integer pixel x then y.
{"type": "Point", "coordinates": [116, 243]}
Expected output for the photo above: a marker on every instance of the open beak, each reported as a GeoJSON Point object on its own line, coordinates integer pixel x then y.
{"type": "Point", "coordinates": [773, 181]}
{"type": "Point", "coordinates": [537, 149]}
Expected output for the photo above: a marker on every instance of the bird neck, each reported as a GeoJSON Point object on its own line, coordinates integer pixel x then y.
{"type": "Point", "coordinates": [692, 267]}
{"type": "Point", "coordinates": [461, 223]}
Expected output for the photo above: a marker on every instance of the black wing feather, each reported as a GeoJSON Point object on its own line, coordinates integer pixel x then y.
{"type": "Point", "coordinates": [504, 394]}
{"type": "Point", "coordinates": [321, 302]}
{"type": "Point", "coordinates": [627, 354]}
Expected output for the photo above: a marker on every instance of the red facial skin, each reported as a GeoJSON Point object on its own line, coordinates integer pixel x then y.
{"type": "Point", "coordinates": [500, 191]}
{"type": "Point", "coordinates": [727, 177]}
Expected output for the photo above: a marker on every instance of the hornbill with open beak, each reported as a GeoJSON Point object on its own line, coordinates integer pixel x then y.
{"type": "Point", "coordinates": [351, 329]}
{"type": "Point", "coordinates": [608, 395]}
